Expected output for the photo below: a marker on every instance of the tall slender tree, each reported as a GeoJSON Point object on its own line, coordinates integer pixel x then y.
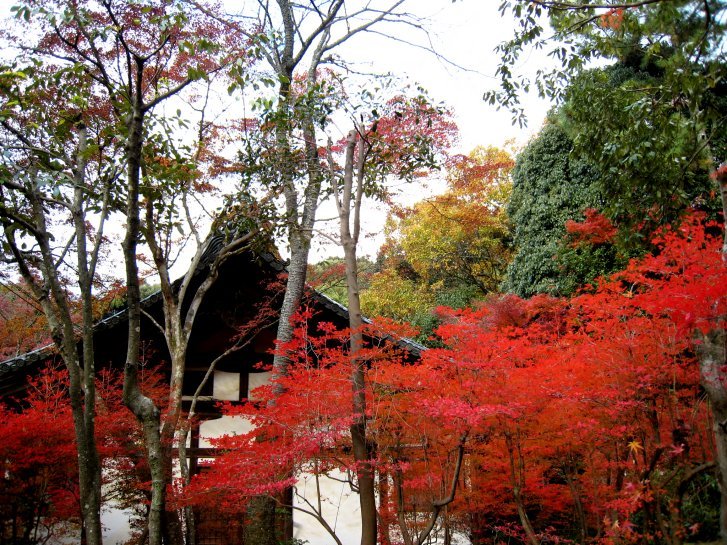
{"type": "Point", "coordinates": [371, 154]}
{"type": "Point", "coordinates": [133, 57]}
{"type": "Point", "coordinates": [297, 41]}
{"type": "Point", "coordinates": [60, 166]}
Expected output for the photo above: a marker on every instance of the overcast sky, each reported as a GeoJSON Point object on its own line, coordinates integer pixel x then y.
{"type": "Point", "coordinates": [466, 33]}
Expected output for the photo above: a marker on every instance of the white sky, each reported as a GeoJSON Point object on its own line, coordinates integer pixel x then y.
{"type": "Point", "coordinates": [466, 33]}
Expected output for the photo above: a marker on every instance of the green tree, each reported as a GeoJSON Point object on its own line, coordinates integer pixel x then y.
{"type": "Point", "coordinates": [549, 188]}
{"type": "Point", "coordinates": [685, 40]}
{"type": "Point", "coordinates": [653, 157]}
{"type": "Point", "coordinates": [394, 293]}
{"type": "Point", "coordinates": [672, 75]}
{"type": "Point", "coordinates": [654, 182]}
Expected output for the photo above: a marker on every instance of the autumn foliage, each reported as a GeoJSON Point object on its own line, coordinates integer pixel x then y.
{"type": "Point", "coordinates": [578, 418]}
{"type": "Point", "coordinates": [22, 325]}
{"type": "Point", "coordinates": [597, 419]}
{"type": "Point", "coordinates": [613, 18]}
{"type": "Point", "coordinates": [39, 496]}
{"type": "Point", "coordinates": [539, 419]}
{"type": "Point", "coordinates": [595, 229]}
{"type": "Point", "coordinates": [450, 248]}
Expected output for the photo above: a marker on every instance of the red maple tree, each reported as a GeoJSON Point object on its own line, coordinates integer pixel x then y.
{"type": "Point", "coordinates": [39, 495]}
{"type": "Point", "coordinates": [577, 418]}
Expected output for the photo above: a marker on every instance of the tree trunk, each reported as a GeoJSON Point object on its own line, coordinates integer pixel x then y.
{"type": "Point", "coordinates": [172, 523]}
{"type": "Point", "coordinates": [53, 299]}
{"type": "Point", "coordinates": [712, 363]}
{"type": "Point", "coordinates": [90, 466]}
{"type": "Point", "coordinates": [350, 227]}
{"type": "Point", "coordinates": [516, 480]}
{"type": "Point", "coordinates": [524, 518]}
{"type": "Point", "coordinates": [294, 289]}
{"type": "Point", "coordinates": [141, 406]}
{"type": "Point", "coordinates": [384, 515]}
{"type": "Point", "coordinates": [712, 360]}
{"type": "Point", "coordinates": [577, 505]}
{"type": "Point", "coordinates": [300, 232]}
{"type": "Point", "coordinates": [361, 449]}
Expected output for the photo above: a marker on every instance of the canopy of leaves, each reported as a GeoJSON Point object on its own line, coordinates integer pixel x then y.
{"type": "Point", "coordinates": [329, 277]}
{"type": "Point", "coordinates": [602, 347]}
{"type": "Point", "coordinates": [550, 187]}
{"type": "Point", "coordinates": [451, 248]}
{"type": "Point", "coordinates": [39, 491]}
{"type": "Point", "coordinates": [23, 326]}
{"type": "Point", "coordinates": [653, 156]}
{"type": "Point", "coordinates": [650, 160]}
{"type": "Point", "coordinates": [461, 237]}
{"type": "Point", "coordinates": [684, 38]}
{"type": "Point", "coordinates": [579, 416]}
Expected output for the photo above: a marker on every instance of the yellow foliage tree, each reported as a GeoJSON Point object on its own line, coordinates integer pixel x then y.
{"type": "Point", "coordinates": [450, 248]}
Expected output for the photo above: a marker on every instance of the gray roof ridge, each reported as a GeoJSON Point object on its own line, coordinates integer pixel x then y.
{"type": "Point", "coordinates": [49, 349]}
{"type": "Point", "coordinates": [108, 320]}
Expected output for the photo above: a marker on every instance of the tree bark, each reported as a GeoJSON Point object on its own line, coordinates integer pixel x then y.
{"type": "Point", "coordinates": [300, 231]}
{"type": "Point", "coordinates": [712, 360]}
{"type": "Point", "coordinates": [90, 469]}
{"type": "Point", "coordinates": [53, 299]}
{"type": "Point", "coordinates": [349, 231]}
{"type": "Point", "coordinates": [261, 514]}
{"type": "Point", "coordinates": [712, 363]}
{"type": "Point", "coordinates": [577, 505]}
{"type": "Point", "coordinates": [516, 480]}
{"type": "Point", "coordinates": [284, 58]}
{"type": "Point", "coordinates": [82, 409]}
{"type": "Point", "coordinates": [362, 451]}
{"type": "Point", "coordinates": [141, 406]}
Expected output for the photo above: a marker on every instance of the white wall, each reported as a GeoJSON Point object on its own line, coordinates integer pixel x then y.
{"type": "Point", "coordinates": [339, 506]}
{"type": "Point", "coordinates": [255, 380]}
{"type": "Point", "coordinates": [226, 386]}
{"type": "Point", "coordinates": [226, 425]}
{"type": "Point", "coordinates": [115, 524]}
